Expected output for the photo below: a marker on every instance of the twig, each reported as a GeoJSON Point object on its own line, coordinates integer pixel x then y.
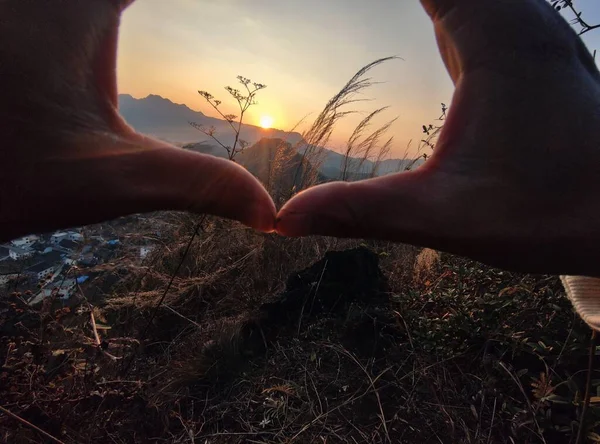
{"type": "Point", "coordinates": [588, 386]}
{"type": "Point", "coordinates": [531, 410]}
{"type": "Point", "coordinates": [372, 383]}
{"type": "Point", "coordinates": [492, 424]}
{"type": "Point", "coordinates": [585, 26]}
{"type": "Point", "coordinates": [314, 297]}
{"type": "Point", "coordinates": [94, 328]}
{"type": "Point", "coordinates": [28, 424]}
{"type": "Point", "coordinates": [97, 337]}
{"type": "Point", "coordinates": [164, 295]}
{"type": "Point", "coordinates": [338, 407]}
{"type": "Point", "coordinates": [209, 134]}
{"type": "Point", "coordinates": [173, 276]}
{"type": "Point", "coordinates": [175, 312]}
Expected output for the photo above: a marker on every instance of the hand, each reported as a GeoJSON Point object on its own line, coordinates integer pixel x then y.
{"type": "Point", "coordinates": [515, 177]}
{"type": "Point", "coordinates": [66, 156]}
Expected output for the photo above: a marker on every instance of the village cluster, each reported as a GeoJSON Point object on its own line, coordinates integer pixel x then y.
{"type": "Point", "coordinates": [53, 264]}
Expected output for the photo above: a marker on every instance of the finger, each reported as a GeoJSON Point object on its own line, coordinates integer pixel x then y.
{"type": "Point", "coordinates": [437, 9]}
{"type": "Point", "coordinates": [123, 4]}
{"type": "Point", "coordinates": [110, 177]}
{"type": "Point", "coordinates": [397, 208]}
{"type": "Point", "coordinates": [499, 33]}
{"type": "Point", "coordinates": [177, 179]}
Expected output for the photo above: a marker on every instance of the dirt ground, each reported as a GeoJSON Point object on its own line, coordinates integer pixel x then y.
{"type": "Point", "coordinates": [345, 353]}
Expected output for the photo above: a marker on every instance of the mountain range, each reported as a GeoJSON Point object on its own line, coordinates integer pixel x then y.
{"type": "Point", "coordinates": [161, 118]}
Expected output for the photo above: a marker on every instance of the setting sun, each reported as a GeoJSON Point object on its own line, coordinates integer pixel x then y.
{"type": "Point", "coordinates": [266, 122]}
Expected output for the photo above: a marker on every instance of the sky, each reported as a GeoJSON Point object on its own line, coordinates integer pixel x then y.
{"type": "Point", "coordinates": [303, 50]}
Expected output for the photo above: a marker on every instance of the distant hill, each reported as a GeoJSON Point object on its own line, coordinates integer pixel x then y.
{"type": "Point", "coordinates": [165, 120]}
{"type": "Point", "coordinates": [275, 162]}
{"type": "Point", "coordinates": [206, 148]}
{"type": "Point", "coordinates": [334, 161]}
{"type": "Point", "coordinates": [279, 166]}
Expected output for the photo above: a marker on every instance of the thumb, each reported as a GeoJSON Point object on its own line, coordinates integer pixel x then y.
{"type": "Point", "coordinates": [406, 207]}
{"type": "Point", "coordinates": [166, 177]}
{"type": "Point", "coordinates": [110, 176]}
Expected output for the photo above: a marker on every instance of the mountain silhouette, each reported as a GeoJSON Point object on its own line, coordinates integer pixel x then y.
{"type": "Point", "coordinates": [161, 118]}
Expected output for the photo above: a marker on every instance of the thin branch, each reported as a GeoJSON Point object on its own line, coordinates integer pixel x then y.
{"type": "Point", "coordinates": [97, 337]}
{"type": "Point", "coordinates": [372, 384]}
{"type": "Point", "coordinates": [585, 26]}
{"type": "Point", "coordinates": [216, 108]}
{"type": "Point", "coordinates": [94, 328]}
{"type": "Point", "coordinates": [30, 425]}
{"type": "Point", "coordinates": [589, 28]}
{"type": "Point", "coordinates": [173, 276]}
{"type": "Point", "coordinates": [531, 410]}
{"type": "Point", "coordinates": [175, 312]}
{"type": "Point", "coordinates": [588, 386]}
{"type": "Point", "coordinates": [164, 295]}
{"type": "Point", "coordinates": [209, 134]}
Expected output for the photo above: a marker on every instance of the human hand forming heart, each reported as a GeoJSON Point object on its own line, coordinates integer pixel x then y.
{"type": "Point", "coordinates": [66, 156]}
{"type": "Point", "coordinates": [515, 177]}
{"type": "Point", "coordinates": [514, 180]}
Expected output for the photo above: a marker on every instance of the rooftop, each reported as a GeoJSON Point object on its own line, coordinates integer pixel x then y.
{"type": "Point", "coordinates": [9, 267]}
{"type": "Point", "coordinates": [39, 267]}
{"type": "Point", "coordinates": [68, 244]}
{"type": "Point", "coordinates": [52, 257]}
{"type": "Point", "coordinates": [62, 283]}
{"type": "Point", "coordinates": [19, 250]}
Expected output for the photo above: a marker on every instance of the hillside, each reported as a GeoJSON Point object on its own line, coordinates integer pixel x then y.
{"type": "Point", "coordinates": [279, 166]}
{"type": "Point", "coordinates": [272, 340]}
{"type": "Point", "coordinates": [163, 119]}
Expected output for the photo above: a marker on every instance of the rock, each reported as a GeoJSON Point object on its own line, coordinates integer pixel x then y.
{"type": "Point", "coordinates": [330, 286]}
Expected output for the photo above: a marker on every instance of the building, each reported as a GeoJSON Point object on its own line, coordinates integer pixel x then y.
{"type": "Point", "coordinates": [59, 236]}
{"type": "Point", "coordinates": [67, 245]}
{"type": "Point", "coordinates": [41, 270]}
{"type": "Point", "coordinates": [145, 251]}
{"type": "Point", "coordinates": [52, 257]}
{"type": "Point", "coordinates": [17, 253]}
{"type": "Point", "coordinates": [26, 241]}
{"type": "Point", "coordinates": [9, 270]}
{"type": "Point", "coordinates": [104, 255]}
{"type": "Point", "coordinates": [40, 247]}
{"type": "Point", "coordinates": [63, 288]}
{"type": "Point", "coordinates": [87, 260]}
{"type": "Point", "coordinates": [5, 278]}
{"type": "Point", "coordinates": [4, 253]}
{"type": "Point", "coordinates": [74, 236]}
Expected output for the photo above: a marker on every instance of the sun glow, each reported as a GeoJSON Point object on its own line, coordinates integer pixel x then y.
{"type": "Point", "coordinates": [266, 122]}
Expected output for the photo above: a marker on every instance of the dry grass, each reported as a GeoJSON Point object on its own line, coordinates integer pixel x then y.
{"type": "Point", "coordinates": [456, 360]}
{"type": "Point", "coordinates": [425, 266]}
{"type": "Point", "coordinates": [224, 335]}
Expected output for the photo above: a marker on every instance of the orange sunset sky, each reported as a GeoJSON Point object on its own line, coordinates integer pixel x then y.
{"type": "Point", "coordinates": [304, 51]}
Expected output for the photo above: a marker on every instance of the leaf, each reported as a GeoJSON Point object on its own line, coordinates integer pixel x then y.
{"type": "Point", "coordinates": [593, 437]}
{"type": "Point", "coordinates": [474, 411]}
{"type": "Point", "coordinates": [522, 372]}
{"type": "Point", "coordinates": [284, 389]}
{"type": "Point", "coordinates": [557, 399]}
